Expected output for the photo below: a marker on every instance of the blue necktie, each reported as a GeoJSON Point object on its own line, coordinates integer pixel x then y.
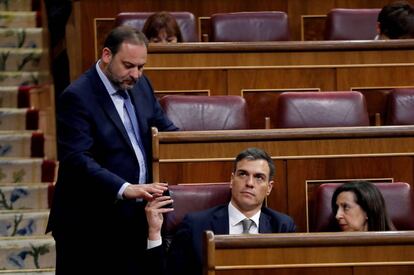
{"type": "Point", "coordinates": [132, 128]}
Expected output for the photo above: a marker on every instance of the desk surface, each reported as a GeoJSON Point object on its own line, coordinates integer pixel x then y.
{"type": "Point", "coordinates": [309, 251]}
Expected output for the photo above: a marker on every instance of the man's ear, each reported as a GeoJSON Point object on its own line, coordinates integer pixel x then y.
{"type": "Point", "coordinates": [269, 187]}
{"type": "Point", "coordinates": [106, 55]}
{"type": "Point", "coordinates": [231, 180]}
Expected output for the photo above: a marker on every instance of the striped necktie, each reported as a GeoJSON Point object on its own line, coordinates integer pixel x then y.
{"type": "Point", "coordinates": [132, 128]}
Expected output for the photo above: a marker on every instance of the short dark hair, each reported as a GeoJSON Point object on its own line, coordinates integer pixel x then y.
{"type": "Point", "coordinates": [255, 154]}
{"type": "Point", "coordinates": [370, 199]}
{"type": "Point", "coordinates": [396, 20]}
{"type": "Point", "coordinates": [162, 20]}
{"type": "Point", "coordinates": [123, 34]}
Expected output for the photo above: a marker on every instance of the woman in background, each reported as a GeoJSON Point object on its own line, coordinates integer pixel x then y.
{"type": "Point", "coordinates": [360, 206]}
{"type": "Point", "coordinates": [396, 21]}
{"type": "Point", "coordinates": [161, 27]}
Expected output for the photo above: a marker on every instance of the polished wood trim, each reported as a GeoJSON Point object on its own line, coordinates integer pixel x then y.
{"type": "Point", "coordinates": [252, 67]}
{"type": "Point", "coordinates": [207, 91]}
{"type": "Point", "coordinates": [281, 46]}
{"type": "Point", "coordinates": [307, 250]}
{"type": "Point", "coordinates": [380, 87]}
{"type": "Point", "coordinates": [155, 155]}
{"type": "Point", "coordinates": [314, 239]}
{"type": "Point", "coordinates": [280, 90]}
{"type": "Point", "coordinates": [288, 134]}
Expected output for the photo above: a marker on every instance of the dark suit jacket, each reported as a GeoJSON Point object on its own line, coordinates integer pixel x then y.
{"type": "Point", "coordinates": [96, 158]}
{"type": "Point", "coordinates": [185, 254]}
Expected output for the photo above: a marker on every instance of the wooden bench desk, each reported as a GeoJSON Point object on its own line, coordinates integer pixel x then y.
{"type": "Point", "coordinates": [353, 253]}
{"type": "Point", "coordinates": [304, 158]}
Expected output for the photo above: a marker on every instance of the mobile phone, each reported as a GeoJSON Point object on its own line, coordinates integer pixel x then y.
{"type": "Point", "coordinates": [167, 193]}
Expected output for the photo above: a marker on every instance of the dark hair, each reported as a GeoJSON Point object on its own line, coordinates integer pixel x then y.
{"type": "Point", "coordinates": [370, 199]}
{"type": "Point", "coordinates": [255, 154]}
{"type": "Point", "coordinates": [124, 34]}
{"type": "Point", "coordinates": [396, 20]}
{"type": "Point", "coordinates": [162, 20]}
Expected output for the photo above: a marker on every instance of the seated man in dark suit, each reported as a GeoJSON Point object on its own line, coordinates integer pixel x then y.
{"type": "Point", "coordinates": [251, 182]}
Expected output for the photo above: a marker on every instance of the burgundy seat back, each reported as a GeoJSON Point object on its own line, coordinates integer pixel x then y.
{"type": "Point", "coordinates": [191, 198]}
{"type": "Point", "coordinates": [400, 109]}
{"type": "Point", "coordinates": [398, 200]}
{"type": "Point", "coordinates": [185, 20]}
{"type": "Point", "coordinates": [321, 109]}
{"type": "Point", "coordinates": [197, 113]}
{"type": "Point", "coordinates": [351, 24]}
{"type": "Point", "coordinates": [249, 26]}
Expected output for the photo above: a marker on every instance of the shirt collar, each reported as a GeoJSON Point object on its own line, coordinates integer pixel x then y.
{"type": "Point", "coordinates": [235, 216]}
{"type": "Point", "coordinates": [108, 85]}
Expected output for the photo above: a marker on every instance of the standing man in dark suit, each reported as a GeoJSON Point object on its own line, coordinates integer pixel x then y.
{"type": "Point", "coordinates": [251, 182]}
{"type": "Point", "coordinates": [104, 141]}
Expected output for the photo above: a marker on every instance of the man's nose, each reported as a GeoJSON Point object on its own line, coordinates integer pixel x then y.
{"type": "Point", "coordinates": [135, 73]}
{"type": "Point", "coordinates": [250, 181]}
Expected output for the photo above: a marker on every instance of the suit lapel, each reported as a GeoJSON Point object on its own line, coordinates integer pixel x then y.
{"type": "Point", "coordinates": [264, 223]}
{"type": "Point", "coordinates": [139, 106]}
{"type": "Point", "coordinates": [220, 221]}
{"type": "Point", "coordinates": [108, 106]}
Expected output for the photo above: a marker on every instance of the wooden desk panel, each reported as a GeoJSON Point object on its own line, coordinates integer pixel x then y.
{"type": "Point", "coordinates": [82, 29]}
{"type": "Point", "coordinates": [310, 253]}
{"type": "Point", "coordinates": [301, 155]}
{"type": "Point", "coordinates": [230, 68]}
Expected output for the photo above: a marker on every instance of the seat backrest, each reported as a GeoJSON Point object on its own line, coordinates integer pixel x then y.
{"type": "Point", "coordinates": [191, 198]}
{"type": "Point", "coordinates": [398, 200]}
{"type": "Point", "coordinates": [321, 109]}
{"type": "Point", "coordinates": [197, 113]}
{"type": "Point", "coordinates": [400, 107]}
{"type": "Point", "coordinates": [249, 26]}
{"type": "Point", "coordinates": [185, 20]}
{"type": "Point", "coordinates": [351, 24]}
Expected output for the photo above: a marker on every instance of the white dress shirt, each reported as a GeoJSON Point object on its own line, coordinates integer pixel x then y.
{"type": "Point", "coordinates": [235, 218]}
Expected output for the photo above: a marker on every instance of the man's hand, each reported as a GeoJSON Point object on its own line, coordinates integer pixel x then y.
{"type": "Point", "coordinates": [154, 211]}
{"type": "Point", "coordinates": [145, 191]}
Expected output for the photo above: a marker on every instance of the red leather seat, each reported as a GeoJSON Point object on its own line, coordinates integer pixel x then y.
{"type": "Point", "coordinates": [398, 200]}
{"type": "Point", "coordinates": [185, 20]}
{"type": "Point", "coordinates": [400, 108]}
{"type": "Point", "coordinates": [351, 24]}
{"type": "Point", "coordinates": [249, 26]}
{"type": "Point", "coordinates": [193, 197]}
{"type": "Point", "coordinates": [198, 113]}
{"type": "Point", "coordinates": [321, 109]}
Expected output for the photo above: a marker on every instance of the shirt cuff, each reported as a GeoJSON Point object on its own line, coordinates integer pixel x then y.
{"type": "Point", "coordinates": [152, 244]}
{"type": "Point", "coordinates": [122, 189]}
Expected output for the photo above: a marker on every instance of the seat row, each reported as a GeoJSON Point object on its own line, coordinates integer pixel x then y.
{"type": "Point", "coordinates": [341, 24]}
{"type": "Point", "coordinates": [196, 197]}
{"type": "Point", "coordinates": [294, 110]}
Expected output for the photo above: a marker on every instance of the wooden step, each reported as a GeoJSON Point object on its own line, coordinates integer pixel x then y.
{"type": "Point", "coordinates": [27, 252]}
{"type": "Point", "coordinates": [9, 97]}
{"type": "Point", "coordinates": [20, 170]}
{"type": "Point", "coordinates": [23, 222]}
{"type": "Point", "coordinates": [16, 5]}
{"type": "Point", "coordinates": [18, 119]}
{"type": "Point", "coordinates": [24, 197]}
{"type": "Point", "coordinates": [40, 97]}
{"type": "Point", "coordinates": [18, 19]}
{"type": "Point", "coordinates": [23, 59]}
{"type": "Point", "coordinates": [24, 78]}
{"type": "Point", "coordinates": [41, 271]}
{"type": "Point", "coordinates": [21, 38]}
{"type": "Point", "coordinates": [23, 144]}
